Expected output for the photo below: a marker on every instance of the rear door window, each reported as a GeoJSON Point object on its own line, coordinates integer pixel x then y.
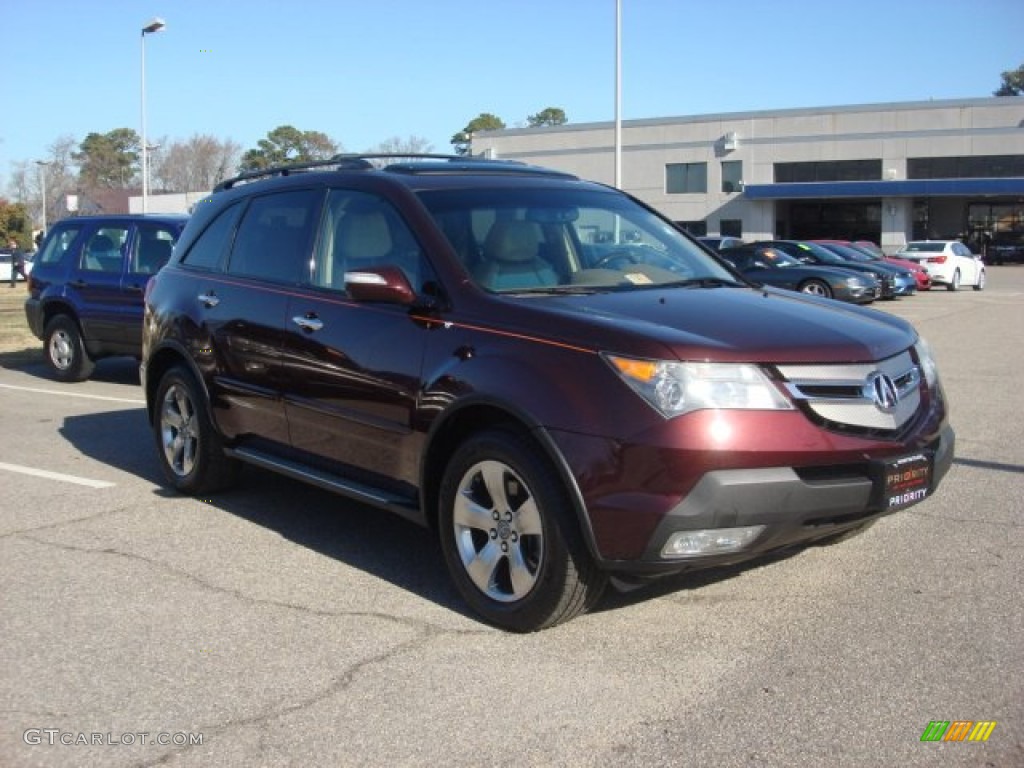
{"type": "Point", "coordinates": [273, 240]}
{"type": "Point", "coordinates": [103, 251]}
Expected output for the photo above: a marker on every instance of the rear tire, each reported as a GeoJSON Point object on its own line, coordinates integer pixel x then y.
{"type": "Point", "coordinates": [65, 350]}
{"type": "Point", "coordinates": [980, 285]}
{"type": "Point", "coordinates": [954, 284]}
{"type": "Point", "coordinates": [509, 537]}
{"type": "Point", "coordinates": [190, 449]}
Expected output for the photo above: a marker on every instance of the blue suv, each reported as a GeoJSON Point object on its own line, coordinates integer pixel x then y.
{"type": "Point", "coordinates": [87, 283]}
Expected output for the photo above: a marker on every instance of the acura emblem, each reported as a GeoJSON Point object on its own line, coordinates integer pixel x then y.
{"type": "Point", "coordinates": [881, 389]}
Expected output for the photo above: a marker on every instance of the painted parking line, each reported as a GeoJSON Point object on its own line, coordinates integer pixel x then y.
{"type": "Point", "coordinates": [133, 400]}
{"type": "Point", "coordinates": [59, 476]}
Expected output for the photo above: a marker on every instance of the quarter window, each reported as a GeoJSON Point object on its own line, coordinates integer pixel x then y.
{"type": "Point", "coordinates": [211, 246]}
{"type": "Point", "coordinates": [57, 246]}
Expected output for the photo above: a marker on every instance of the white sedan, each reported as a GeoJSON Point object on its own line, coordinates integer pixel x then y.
{"type": "Point", "coordinates": [5, 266]}
{"type": "Point", "coordinates": [948, 262]}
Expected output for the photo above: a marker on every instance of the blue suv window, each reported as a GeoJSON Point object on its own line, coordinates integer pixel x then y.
{"type": "Point", "coordinates": [102, 252]}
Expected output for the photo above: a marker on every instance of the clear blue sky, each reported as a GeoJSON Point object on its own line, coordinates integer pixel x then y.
{"type": "Point", "coordinates": [362, 71]}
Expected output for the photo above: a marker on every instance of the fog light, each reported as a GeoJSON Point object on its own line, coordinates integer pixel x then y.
{"type": "Point", "coordinates": [711, 541]}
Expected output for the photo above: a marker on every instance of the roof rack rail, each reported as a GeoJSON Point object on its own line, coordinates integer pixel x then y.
{"type": "Point", "coordinates": [407, 162]}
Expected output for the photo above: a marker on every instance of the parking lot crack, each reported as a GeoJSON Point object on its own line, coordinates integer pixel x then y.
{"type": "Point", "coordinates": [58, 524]}
{"type": "Point", "coordinates": [425, 633]}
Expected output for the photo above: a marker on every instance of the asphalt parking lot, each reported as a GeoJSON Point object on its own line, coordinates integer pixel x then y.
{"type": "Point", "coordinates": [279, 625]}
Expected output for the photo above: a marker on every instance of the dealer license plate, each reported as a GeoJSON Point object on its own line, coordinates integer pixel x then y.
{"type": "Point", "coordinates": [907, 480]}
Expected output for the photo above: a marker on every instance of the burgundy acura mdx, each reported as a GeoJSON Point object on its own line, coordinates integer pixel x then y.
{"type": "Point", "coordinates": [544, 370]}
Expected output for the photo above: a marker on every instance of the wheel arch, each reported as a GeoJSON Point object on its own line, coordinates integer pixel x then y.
{"type": "Point", "coordinates": [161, 360]}
{"type": "Point", "coordinates": [477, 414]}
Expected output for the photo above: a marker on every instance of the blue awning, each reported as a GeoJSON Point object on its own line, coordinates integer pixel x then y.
{"type": "Point", "coordinates": [910, 188]}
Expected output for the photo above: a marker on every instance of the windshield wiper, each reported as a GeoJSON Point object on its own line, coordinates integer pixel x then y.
{"type": "Point", "coordinates": [702, 282]}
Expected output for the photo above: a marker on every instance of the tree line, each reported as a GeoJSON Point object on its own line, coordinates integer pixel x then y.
{"type": "Point", "coordinates": [113, 160]}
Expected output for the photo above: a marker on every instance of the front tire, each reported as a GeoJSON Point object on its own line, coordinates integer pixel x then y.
{"type": "Point", "coordinates": [509, 537]}
{"type": "Point", "coordinates": [954, 284]}
{"type": "Point", "coordinates": [190, 449]}
{"type": "Point", "coordinates": [816, 288]}
{"type": "Point", "coordinates": [66, 355]}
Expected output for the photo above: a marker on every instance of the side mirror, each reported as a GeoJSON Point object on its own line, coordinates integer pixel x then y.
{"type": "Point", "coordinates": [386, 284]}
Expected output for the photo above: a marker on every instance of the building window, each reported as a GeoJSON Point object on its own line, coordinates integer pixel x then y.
{"type": "Point", "coordinates": [829, 170]}
{"type": "Point", "coordinates": [732, 175]}
{"type": "Point", "coordinates": [730, 227]}
{"type": "Point", "coordinates": [695, 228]}
{"type": "Point", "coordinates": [976, 167]}
{"type": "Point", "coordinates": [686, 178]}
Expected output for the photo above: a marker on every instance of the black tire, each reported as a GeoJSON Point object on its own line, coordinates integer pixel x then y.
{"type": "Point", "coordinates": [191, 451]}
{"type": "Point", "coordinates": [954, 284]}
{"type": "Point", "coordinates": [816, 288]}
{"type": "Point", "coordinates": [980, 285]}
{"type": "Point", "coordinates": [509, 537]}
{"type": "Point", "coordinates": [64, 350]}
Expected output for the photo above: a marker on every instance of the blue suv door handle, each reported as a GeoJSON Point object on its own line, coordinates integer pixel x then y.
{"type": "Point", "coordinates": [308, 323]}
{"type": "Point", "coordinates": [209, 299]}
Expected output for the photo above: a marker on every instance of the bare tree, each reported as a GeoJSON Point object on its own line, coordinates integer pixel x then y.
{"type": "Point", "coordinates": [197, 164]}
{"type": "Point", "coordinates": [413, 145]}
{"type": "Point", "coordinates": [61, 179]}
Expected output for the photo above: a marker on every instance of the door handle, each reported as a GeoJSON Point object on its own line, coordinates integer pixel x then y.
{"type": "Point", "coordinates": [308, 323]}
{"type": "Point", "coordinates": [209, 299]}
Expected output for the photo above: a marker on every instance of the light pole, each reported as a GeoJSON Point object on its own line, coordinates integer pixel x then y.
{"type": "Point", "coordinates": [153, 26]}
{"type": "Point", "coordinates": [42, 181]}
{"type": "Point", "coordinates": [618, 94]}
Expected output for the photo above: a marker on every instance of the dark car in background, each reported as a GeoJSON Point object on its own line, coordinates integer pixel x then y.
{"type": "Point", "coordinates": [875, 254]}
{"type": "Point", "coordinates": [720, 243]}
{"type": "Point", "coordinates": [812, 253]}
{"type": "Point", "coordinates": [904, 282]}
{"type": "Point", "coordinates": [86, 287]}
{"type": "Point", "coordinates": [767, 265]}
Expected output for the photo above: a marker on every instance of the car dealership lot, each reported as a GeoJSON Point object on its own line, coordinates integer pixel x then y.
{"type": "Point", "coordinates": [280, 625]}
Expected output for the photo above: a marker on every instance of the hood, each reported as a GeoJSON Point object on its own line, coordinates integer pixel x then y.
{"type": "Point", "coordinates": [721, 324]}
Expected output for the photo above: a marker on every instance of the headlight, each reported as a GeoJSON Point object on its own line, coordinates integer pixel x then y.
{"type": "Point", "coordinates": [928, 367]}
{"type": "Point", "coordinates": [674, 388]}
{"type": "Point", "coordinates": [856, 281]}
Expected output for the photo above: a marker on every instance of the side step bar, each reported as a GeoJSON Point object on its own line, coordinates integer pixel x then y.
{"type": "Point", "coordinates": [366, 494]}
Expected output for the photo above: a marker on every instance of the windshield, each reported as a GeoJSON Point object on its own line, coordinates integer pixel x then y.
{"type": "Point", "coordinates": [823, 255]}
{"type": "Point", "coordinates": [525, 240]}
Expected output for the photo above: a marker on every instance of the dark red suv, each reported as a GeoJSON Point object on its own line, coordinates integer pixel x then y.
{"type": "Point", "coordinates": [543, 369]}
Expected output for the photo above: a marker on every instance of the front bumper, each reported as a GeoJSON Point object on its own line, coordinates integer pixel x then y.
{"type": "Point", "coordinates": [795, 507]}
{"type": "Point", "coordinates": [736, 470]}
{"type": "Point", "coordinates": [904, 286]}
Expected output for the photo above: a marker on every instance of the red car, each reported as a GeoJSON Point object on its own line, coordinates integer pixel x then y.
{"type": "Point", "coordinates": [924, 281]}
{"type": "Point", "coordinates": [562, 385]}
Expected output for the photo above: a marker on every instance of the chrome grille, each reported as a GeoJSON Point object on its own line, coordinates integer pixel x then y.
{"type": "Point", "coordinates": [877, 396]}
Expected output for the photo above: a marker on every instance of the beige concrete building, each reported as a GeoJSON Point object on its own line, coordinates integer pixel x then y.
{"type": "Point", "coordinates": [882, 172]}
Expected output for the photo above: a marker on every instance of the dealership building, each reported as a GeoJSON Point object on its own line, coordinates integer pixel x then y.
{"type": "Point", "coordinates": [881, 172]}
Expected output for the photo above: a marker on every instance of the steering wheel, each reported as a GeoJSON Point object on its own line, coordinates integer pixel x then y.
{"type": "Point", "coordinates": [608, 258]}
